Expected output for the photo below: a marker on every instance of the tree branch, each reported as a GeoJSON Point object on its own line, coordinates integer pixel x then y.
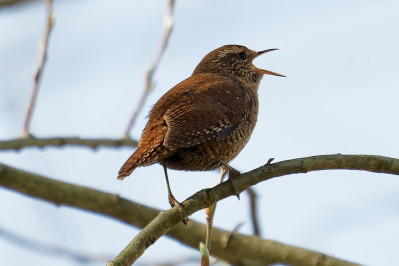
{"type": "Point", "coordinates": [239, 248]}
{"type": "Point", "coordinates": [166, 220]}
{"type": "Point", "coordinates": [17, 144]}
{"type": "Point", "coordinates": [40, 68]}
{"type": "Point", "coordinates": [253, 210]}
{"type": "Point", "coordinates": [151, 70]}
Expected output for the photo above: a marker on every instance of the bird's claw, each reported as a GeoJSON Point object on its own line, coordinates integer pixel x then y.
{"type": "Point", "coordinates": [173, 202]}
{"type": "Point", "coordinates": [233, 174]}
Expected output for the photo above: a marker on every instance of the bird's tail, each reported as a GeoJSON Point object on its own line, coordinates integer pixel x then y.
{"type": "Point", "coordinates": [138, 158]}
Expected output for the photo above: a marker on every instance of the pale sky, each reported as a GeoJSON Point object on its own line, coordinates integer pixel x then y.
{"type": "Point", "coordinates": [341, 59]}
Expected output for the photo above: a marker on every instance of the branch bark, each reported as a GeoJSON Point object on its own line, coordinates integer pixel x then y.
{"type": "Point", "coordinates": [30, 141]}
{"type": "Point", "coordinates": [40, 68]}
{"type": "Point", "coordinates": [166, 220]}
{"type": "Point", "coordinates": [237, 249]}
{"type": "Point", "coordinates": [254, 210]}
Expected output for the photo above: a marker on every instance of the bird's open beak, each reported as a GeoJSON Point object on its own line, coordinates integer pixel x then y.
{"type": "Point", "coordinates": [267, 71]}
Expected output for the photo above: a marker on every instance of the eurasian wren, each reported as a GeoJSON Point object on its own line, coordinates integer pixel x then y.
{"type": "Point", "coordinates": [203, 122]}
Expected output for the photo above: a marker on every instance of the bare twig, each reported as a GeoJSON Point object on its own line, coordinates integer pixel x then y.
{"type": "Point", "coordinates": [20, 143]}
{"type": "Point", "coordinates": [253, 209]}
{"type": "Point", "coordinates": [239, 249]}
{"type": "Point", "coordinates": [229, 235]}
{"type": "Point", "coordinates": [39, 71]}
{"type": "Point", "coordinates": [151, 70]}
{"type": "Point", "coordinates": [166, 220]}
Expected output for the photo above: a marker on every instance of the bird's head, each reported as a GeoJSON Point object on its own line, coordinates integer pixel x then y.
{"type": "Point", "coordinates": [234, 61]}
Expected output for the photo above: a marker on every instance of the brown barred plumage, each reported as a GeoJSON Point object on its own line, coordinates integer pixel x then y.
{"type": "Point", "coordinates": [205, 121]}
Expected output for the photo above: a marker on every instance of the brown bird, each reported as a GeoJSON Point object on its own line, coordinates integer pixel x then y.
{"type": "Point", "coordinates": [203, 122]}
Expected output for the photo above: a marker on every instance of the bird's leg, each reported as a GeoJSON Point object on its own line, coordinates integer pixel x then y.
{"type": "Point", "coordinates": [233, 174]}
{"type": "Point", "coordinates": [172, 200]}
{"type": "Point", "coordinates": [223, 173]}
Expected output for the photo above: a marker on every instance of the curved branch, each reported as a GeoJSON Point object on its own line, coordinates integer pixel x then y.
{"type": "Point", "coordinates": [17, 144]}
{"type": "Point", "coordinates": [238, 248]}
{"type": "Point", "coordinates": [166, 220]}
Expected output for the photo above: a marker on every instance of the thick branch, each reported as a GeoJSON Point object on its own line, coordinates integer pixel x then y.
{"type": "Point", "coordinates": [166, 220]}
{"type": "Point", "coordinates": [238, 247]}
{"type": "Point", "coordinates": [16, 144]}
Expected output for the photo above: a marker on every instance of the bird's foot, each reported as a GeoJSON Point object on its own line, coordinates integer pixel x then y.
{"type": "Point", "coordinates": [173, 202]}
{"type": "Point", "coordinates": [233, 174]}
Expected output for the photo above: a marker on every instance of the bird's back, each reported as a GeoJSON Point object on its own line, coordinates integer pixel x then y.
{"type": "Point", "coordinates": [204, 116]}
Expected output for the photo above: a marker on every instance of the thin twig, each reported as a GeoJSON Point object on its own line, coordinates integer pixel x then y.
{"type": "Point", "coordinates": [151, 70]}
{"type": "Point", "coordinates": [20, 143]}
{"type": "Point", "coordinates": [253, 209]}
{"type": "Point", "coordinates": [40, 68]}
{"type": "Point", "coordinates": [230, 234]}
{"type": "Point", "coordinates": [253, 206]}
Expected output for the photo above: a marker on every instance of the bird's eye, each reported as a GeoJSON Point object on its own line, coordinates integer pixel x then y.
{"type": "Point", "coordinates": [242, 55]}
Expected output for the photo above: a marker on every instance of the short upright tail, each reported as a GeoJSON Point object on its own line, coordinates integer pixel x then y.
{"type": "Point", "coordinates": [135, 160]}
